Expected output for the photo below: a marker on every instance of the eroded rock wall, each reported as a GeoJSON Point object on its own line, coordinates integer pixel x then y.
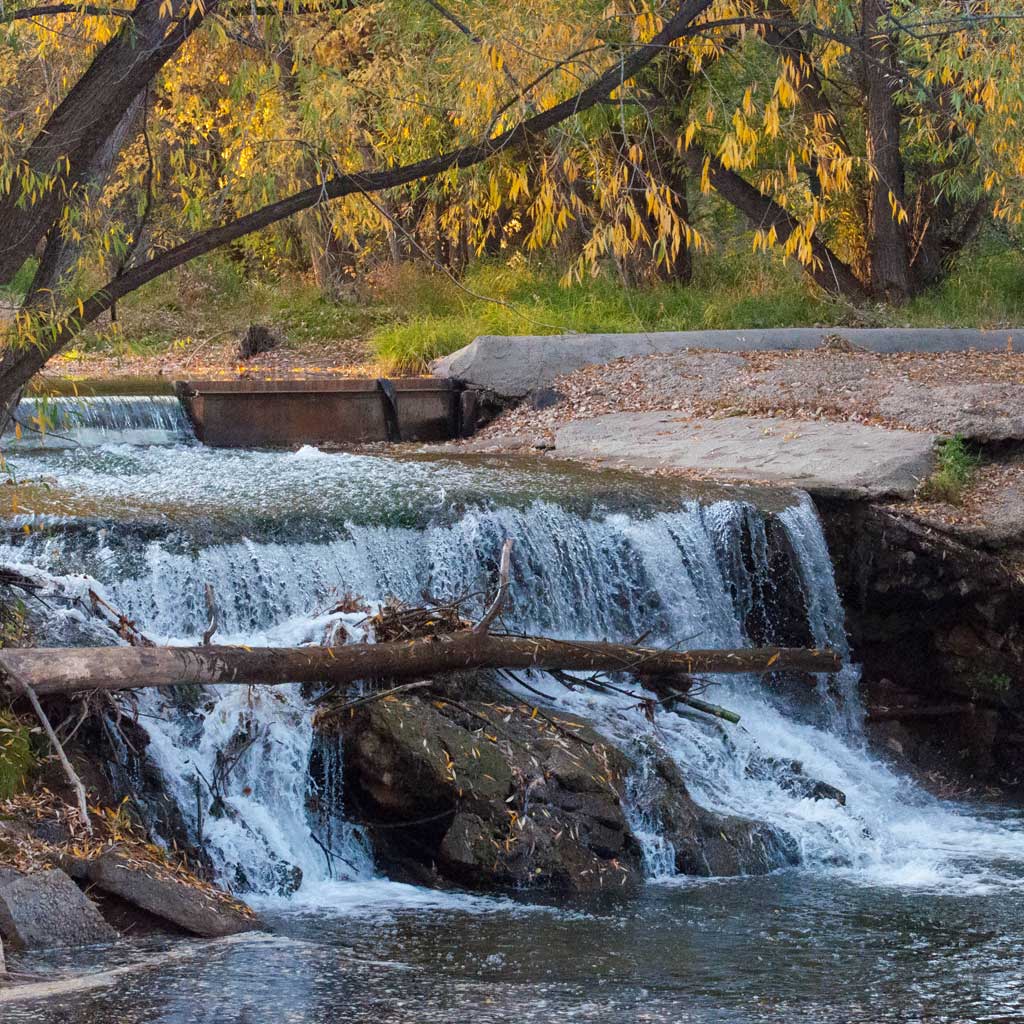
{"type": "Point", "coordinates": [938, 624]}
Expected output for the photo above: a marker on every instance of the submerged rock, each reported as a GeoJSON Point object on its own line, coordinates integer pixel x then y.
{"type": "Point", "coordinates": [707, 843]}
{"type": "Point", "coordinates": [790, 776]}
{"type": "Point", "coordinates": [46, 910]}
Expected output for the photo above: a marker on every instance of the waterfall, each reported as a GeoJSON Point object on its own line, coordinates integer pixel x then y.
{"type": "Point", "coordinates": [716, 574]}
{"type": "Point", "coordinates": [90, 420]}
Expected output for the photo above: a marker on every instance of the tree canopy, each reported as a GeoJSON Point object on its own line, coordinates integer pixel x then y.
{"type": "Point", "coordinates": [866, 139]}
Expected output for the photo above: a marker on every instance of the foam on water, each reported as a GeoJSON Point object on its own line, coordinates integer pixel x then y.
{"type": "Point", "coordinates": [697, 575]}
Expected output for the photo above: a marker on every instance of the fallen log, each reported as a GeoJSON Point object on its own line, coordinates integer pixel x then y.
{"type": "Point", "coordinates": [50, 671]}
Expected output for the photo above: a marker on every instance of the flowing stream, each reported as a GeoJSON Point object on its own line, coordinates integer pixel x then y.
{"type": "Point", "coordinates": [895, 892]}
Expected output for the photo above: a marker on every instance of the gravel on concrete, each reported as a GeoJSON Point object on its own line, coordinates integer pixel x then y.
{"type": "Point", "coordinates": [834, 460]}
{"type": "Point", "coordinates": [979, 395]}
{"type": "Point", "coordinates": [513, 366]}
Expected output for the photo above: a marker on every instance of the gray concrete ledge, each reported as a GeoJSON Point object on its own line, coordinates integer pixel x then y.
{"type": "Point", "coordinates": [834, 460]}
{"type": "Point", "coordinates": [513, 366]}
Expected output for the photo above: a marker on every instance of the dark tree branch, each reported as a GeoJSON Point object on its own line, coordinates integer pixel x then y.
{"type": "Point", "coordinates": [20, 364]}
{"type": "Point", "coordinates": [65, 148]}
{"type": "Point", "coordinates": [763, 212]}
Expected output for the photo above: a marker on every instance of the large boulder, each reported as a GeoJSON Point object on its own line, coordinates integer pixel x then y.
{"type": "Point", "coordinates": [46, 910]}
{"type": "Point", "coordinates": [207, 913]}
{"type": "Point", "coordinates": [488, 795]}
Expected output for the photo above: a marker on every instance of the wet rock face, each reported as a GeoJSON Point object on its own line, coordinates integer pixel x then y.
{"type": "Point", "coordinates": [938, 625]}
{"type": "Point", "coordinates": [706, 843]}
{"type": "Point", "coordinates": [489, 795]}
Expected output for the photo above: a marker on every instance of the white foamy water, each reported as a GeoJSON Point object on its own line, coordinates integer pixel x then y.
{"type": "Point", "coordinates": [697, 576]}
{"type": "Point", "coordinates": [92, 420]}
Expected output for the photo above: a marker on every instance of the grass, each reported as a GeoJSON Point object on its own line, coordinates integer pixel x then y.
{"type": "Point", "coordinates": [213, 300]}
{"type": "Point", "coordinates": [957, 465]}
{"type": "Point", "coordinates": [17, 757]}
{"type": "Point", "coordinates": [738, 291]}
{"type": "Point", "coordinates": [440, 316]}
{"type": "Point", "coordinates": [410, 315]}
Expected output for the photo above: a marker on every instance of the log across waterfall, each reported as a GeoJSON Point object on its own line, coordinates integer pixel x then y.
{"type": "Point", "coordinates": [50, 671]}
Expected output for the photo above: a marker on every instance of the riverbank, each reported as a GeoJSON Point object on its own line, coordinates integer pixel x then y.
{"type": "Point", "coordinates": [607, 413]}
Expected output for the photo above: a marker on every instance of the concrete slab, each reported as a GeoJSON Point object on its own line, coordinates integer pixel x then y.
{"type": "Point", "coordinates": [842, 460]}
{"type": "Point", "coordinates": [513, 366]}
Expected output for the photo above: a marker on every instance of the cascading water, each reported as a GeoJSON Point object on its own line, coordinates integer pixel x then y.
{"type": "Point", "coordinates": [280, 536]}
{"type": "Point", "coordinates": [96, 419]}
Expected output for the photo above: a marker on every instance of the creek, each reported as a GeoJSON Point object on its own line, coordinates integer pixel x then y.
{"type": "Point", "coordinates": [903, 907]}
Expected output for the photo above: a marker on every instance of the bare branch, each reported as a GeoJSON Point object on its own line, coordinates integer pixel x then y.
{"type": "Point", "coordinates": [69, 771]}
{"type": "Point", "coordinates": [211, 608]}
{"type": "Point", "coordinates": [502, 595]}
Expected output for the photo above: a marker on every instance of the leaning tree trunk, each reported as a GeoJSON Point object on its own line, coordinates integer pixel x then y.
{"type": "Point", "coordinates": [19, 364]}
{"type": "Point", "coordinates": [66, 147]}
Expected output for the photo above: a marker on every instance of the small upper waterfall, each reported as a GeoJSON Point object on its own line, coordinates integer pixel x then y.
{"type": "Point", "coordinates": [281, 536]}
{"type": "Point", "coordinates": [96, 419]}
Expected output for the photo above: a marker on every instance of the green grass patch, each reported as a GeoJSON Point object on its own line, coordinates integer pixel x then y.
{"type": "Point", "coordinates": [411, 314]}
{"type": "Point", "coordinates": [957, 465]}
{"type": "Point", "coordinates": [985, 289]}
{"type": "Point", "coordinates": [17, 758]}
{"type": "Point", "coordinates": [430, 316]}
{"type": "Point", "coordinates": [211, 300]}
{"type": "Point", "coordinates": [439, 316]}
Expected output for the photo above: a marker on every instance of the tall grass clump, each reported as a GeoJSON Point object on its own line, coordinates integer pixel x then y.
{"type": "Point", "coordinates": [956, 466]}
{"type": "Point", "coordinates": [17, 757]}
{"type": "Point", "coordinates": [439, 316]}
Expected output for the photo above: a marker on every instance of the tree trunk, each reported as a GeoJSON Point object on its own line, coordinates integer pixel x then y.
{"type": "Point", "coordinates": [829, 272]}
{"type": "Point", "coordinates": [888, 246]}
{"type": "Point", "coordinates": [18, 366]}
{"type": "Point", "coordinates": [83, 121]}
{"type": "Point", "coordinates": [73, 670]}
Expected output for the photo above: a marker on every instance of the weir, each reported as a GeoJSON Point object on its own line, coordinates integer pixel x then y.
{"type": "Point", "coordinates": [281, 537]}
{"type": "Point", "coordinates": [247, 414]}
{"type": "Point", "coordinates": [70, 420]}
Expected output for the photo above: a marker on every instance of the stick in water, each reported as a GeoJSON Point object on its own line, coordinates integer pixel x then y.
{"type": "Point", "coordinates": [211, 608]}
{"type": "Point", "coordinates": [499, 598]}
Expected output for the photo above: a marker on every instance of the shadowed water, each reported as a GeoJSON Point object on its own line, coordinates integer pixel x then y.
{"type": "Point", "coordinates": [787, 949]}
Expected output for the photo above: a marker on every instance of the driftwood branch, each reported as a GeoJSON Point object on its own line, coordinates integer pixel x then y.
{"type": "Point", "coordinates": [124, 627]}
{"type": "Point", "coordinates": [211, 608]}
{"type": "Point", "coordinates": [72, 670]}
{"type": "Point", "coordinates": [69, 770]}
{"type": "Point", "coordinates": [501, 596]}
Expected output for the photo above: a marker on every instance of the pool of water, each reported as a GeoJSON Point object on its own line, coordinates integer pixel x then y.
{"type": "Point", "coordinates": [786, 949]}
